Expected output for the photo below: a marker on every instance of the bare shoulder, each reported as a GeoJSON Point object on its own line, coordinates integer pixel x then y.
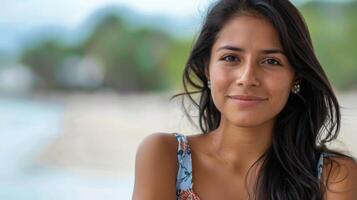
{"type": "Point", "coordinates": [340, 177]}
{"type": "Point", "coordinates": [156, 168]}
{"type": "Point", "coordinates": [158, 141]}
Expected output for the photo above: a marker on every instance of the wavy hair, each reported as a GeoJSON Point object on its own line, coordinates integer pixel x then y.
{"type": "Point", "coordinates": [309, 119]}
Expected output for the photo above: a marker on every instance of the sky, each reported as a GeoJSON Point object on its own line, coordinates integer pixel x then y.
{"type": "Point", "coordinates": [25, 14]}
{"type": "Point", "coordinates": [21, 16]}
{"type": "Point", "coordinates": [70, 13]}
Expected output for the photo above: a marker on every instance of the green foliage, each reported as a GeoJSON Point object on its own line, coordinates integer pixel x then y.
{"type": "Point", "coordinates": [333, 29]}
{"type": "Point", "coordinates": [175, 62]}
{"type": "Point", "coordinates": [134, 60]}
{"type": "Point", "coordinates": [45, 58]}
{"type": "Point", "coordinates": [146, 59]}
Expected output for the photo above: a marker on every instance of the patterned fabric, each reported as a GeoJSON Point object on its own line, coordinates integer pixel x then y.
{"type": "Point", "coordinates": [184, 183]}
{"type": "Point", "coordinates": [320, 164]}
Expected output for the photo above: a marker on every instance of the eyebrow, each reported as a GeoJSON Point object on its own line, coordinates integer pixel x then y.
{"type": "Point", "coordinates": [265, 51]}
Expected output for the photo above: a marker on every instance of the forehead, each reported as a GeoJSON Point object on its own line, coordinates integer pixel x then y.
{"type": "Point", "coordinates": [249, 32]}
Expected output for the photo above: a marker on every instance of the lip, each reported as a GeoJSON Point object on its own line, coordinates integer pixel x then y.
{"type": "Point", "coordinates": [246, 101]}
{"type": "Point", "coordinates": [247, 98]}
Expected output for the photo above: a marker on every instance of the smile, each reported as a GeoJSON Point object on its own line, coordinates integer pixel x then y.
{"type": "Point", "coordinates": [246, 101]}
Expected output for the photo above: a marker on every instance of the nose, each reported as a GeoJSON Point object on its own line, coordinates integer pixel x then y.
{"type": "Point", "coordinates": [247, 76]}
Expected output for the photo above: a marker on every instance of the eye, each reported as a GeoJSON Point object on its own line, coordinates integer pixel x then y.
{"type": "Point", "coordinates": [230, 58]}
{"type": "Point", "coordinates": [271, 61]}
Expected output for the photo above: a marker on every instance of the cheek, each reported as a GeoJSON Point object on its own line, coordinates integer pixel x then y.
{"type": "Point", "coordinates": [221, 81]}
{"type": "Point", "coordinates": [222, 76]}
{"type": "Point", "coordinates": [279, 91]}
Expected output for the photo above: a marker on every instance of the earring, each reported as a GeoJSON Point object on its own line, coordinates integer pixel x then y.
{"type": "Point", "coordinates": [296, 88]}
{"type": "Point", "coordinates": [209, 84]}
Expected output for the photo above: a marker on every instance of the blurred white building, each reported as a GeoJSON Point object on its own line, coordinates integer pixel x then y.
{"type": "Point", "coordinates": [81, 72]}
{"type": "Point", "coordinates": [16, 79]}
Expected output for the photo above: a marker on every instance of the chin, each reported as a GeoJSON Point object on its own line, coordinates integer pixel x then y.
{"type": "Point", "coordinates": [248, 121]}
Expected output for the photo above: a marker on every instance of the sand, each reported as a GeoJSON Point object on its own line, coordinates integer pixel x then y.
{"type": "Point", "coordinates": [101, 131]}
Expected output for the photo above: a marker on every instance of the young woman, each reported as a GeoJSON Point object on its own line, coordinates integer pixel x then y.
{"type": "Point", "coordinates": [266, 111]}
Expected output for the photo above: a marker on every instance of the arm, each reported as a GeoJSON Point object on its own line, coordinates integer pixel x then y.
{"type": "Point", "coordinates": [342, 181]}
{"type": "Point", "coordinates": [156, 168]}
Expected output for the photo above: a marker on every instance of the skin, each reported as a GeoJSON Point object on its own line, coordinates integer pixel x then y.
{"type": "Point", "coordinates": [250, 69]}
{"type": "Point", "coordinates": [246, 59]}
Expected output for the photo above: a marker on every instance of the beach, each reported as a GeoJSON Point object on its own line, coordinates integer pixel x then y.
{"type": "Point", "coordinates": [82, 145]}
{"type": "Point", "coordinates": [101, 132]}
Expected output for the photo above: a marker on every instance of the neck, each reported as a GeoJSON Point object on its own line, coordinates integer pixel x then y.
{"type": "Point", "coordinates": [239, 147]}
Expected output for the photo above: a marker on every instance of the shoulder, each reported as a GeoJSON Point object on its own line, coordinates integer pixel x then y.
{"type": "Point", "coordinates": [340, 178]}
{"type": "Point", "coordinates": [158, 141]}
{"type": "Point", "coordinates": [156, 167]}
{"type": "Point", "coordinates": [157, 150]}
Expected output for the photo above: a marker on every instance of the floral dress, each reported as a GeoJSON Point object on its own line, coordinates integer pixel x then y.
{"type": "Point", "coordinates": [184, 183]}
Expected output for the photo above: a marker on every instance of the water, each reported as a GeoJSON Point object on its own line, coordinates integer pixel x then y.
{"type": "Point", "coordinates": [26, 127]}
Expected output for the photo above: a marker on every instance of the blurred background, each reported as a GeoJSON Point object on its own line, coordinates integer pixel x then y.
{"type": "Point", "coordinates": [82, 82]}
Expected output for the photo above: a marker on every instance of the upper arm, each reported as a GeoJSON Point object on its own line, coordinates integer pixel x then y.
{"type": "Point", "coordinates": [340, 177]}
{"type": "Point", "coordinates": [156, 168]}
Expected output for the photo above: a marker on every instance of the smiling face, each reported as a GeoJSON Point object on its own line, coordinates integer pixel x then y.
{"type": "Point", "coordinates": [250, 76]}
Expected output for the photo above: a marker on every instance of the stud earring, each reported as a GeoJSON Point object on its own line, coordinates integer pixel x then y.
{"type": "Point", "coordinates": [296, 88]}
{"type": "Point", "coordinates": [209, 84]}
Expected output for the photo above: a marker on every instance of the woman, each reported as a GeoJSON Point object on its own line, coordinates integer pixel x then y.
{"type": "Point", "coordinates": [266, 111]}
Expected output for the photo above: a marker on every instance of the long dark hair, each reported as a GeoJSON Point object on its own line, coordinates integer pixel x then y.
{"type": "Point", "coordinates": [308, 121]}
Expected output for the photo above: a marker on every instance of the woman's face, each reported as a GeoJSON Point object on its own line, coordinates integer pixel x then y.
{"type": "Point", "coordinates": [251, 77]}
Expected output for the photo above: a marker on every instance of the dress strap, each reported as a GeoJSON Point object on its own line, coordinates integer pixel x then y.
{"type": "Point", "coordinates": [184, 174]}
{"type": "Point", "coordinates": [320, 164]}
